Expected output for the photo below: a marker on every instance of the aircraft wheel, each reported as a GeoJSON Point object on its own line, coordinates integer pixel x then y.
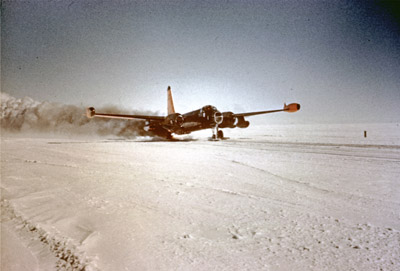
{"type": "Point", "coordinates": [220, 134]}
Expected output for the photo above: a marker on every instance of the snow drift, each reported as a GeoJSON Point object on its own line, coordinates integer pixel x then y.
{"type": "Point", "coordinates": [27, 115]}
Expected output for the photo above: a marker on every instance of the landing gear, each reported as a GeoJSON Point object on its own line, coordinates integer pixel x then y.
{"type": "Point", "coordinates": [217, 134]}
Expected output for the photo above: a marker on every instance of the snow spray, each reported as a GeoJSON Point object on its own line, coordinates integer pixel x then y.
{"type": "Point", "coordinates": [29, 116]}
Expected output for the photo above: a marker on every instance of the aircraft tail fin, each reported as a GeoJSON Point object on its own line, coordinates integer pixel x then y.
{"type": "Point", "coordinates": [171, 109]}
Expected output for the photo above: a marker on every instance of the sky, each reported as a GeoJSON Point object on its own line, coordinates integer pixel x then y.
{"type": "Point", "coordinates": [339, 59]}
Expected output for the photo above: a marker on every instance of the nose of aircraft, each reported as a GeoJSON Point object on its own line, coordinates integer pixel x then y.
{"type": "Point", "coordinates": [179, 120]}
{"type": "Point", "coordinates": [218, 117]}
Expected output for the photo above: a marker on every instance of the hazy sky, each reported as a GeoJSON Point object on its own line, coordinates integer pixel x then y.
{"type": "Point", "coordinates": [339, 59]}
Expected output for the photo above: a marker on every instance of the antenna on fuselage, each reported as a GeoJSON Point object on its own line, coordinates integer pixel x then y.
{"type": "Point", "coordinates": [171, 109]}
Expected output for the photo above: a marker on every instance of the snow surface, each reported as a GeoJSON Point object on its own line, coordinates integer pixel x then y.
{"type": "Point", "coordinates": [295, 197]}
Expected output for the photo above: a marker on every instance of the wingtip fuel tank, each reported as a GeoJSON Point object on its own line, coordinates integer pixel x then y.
{"type": "Point", "coordinates": [90, 112]}
{"type": "Point", "coordinates": [291, 107]}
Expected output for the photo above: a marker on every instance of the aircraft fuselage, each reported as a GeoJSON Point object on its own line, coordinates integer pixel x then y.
{"type": "Point", "coordinates": [204, 118]}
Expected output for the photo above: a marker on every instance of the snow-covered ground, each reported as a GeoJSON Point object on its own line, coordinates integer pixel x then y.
{"type": "Point", "coordinates": [296, 197]}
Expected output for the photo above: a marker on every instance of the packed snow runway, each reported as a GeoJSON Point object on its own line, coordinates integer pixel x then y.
{"type": "Point", "coordinates": [273, 198]}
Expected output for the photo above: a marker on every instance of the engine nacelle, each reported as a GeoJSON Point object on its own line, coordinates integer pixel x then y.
{"type": "Point", "coordinates": [174, 119]}
{"type": "Point", "coordinates": [229, 121]}
{"type": "Point", "coordinates": [242, 123]}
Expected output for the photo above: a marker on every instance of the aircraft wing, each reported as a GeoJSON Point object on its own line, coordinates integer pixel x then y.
{"type": "Point", "coordinates": [288, 108]}
{"type": "Point", "coordinates": [91, 113]}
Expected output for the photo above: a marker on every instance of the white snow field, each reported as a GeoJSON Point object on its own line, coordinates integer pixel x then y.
{"type": "Point", "coordinates": [294, 197]}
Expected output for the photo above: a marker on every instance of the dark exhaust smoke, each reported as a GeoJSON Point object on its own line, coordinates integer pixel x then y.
{"type": "Point", "coordinates": [29, 116]}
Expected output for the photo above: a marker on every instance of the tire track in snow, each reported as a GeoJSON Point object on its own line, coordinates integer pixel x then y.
{"type": "Point", "coordinates": [325, 144]}
{"type": "Point", "coordinates": [68, 255]}
{"type": "Point", "coordinates": [347, 197]}
{"type": "Point", "coordinates": [283, 178]}
{"type": "Point", "coordinates": [248, 195]}
{"type": "Point", "coordinates": [346, 150]}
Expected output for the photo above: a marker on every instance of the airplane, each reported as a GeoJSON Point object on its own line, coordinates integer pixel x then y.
{"type": "Point", "coordinates": [207, 117]}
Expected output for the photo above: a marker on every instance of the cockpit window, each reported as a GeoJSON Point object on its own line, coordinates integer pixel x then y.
{"type": "Point", "coordinates": [209, 108]}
